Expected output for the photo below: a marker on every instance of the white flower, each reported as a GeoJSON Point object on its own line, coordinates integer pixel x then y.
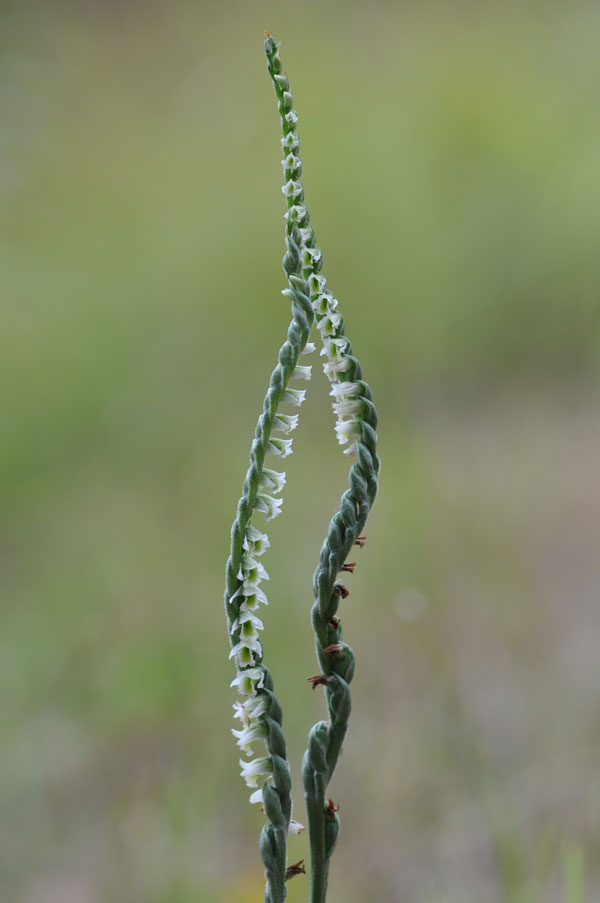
{"type": "Point", "coordinates": [344, 390]}
{"type": "Point", "coordinates": [295, 827]}
{"type": "Point", "coordinates": [309, 348]}
{"type": "Point", "coordinates": [291, 118]}
{"type": "Point", "coordinates": [255, 542]}
{"type": "Point", "coordinates": [291, 141]}
{"type": "Point", "coordinates": [249, 681]}
{"type": "Point", "coordinates": [251, 571]}
{"type": "Point", "coordinates": [317, 283]}
{"type": "Point", "coordinates": [272, 480]}
{"type": "Point", "coordinates": [249, 734]}
{"type": "Point", "coordinates": [325, 303]}
{"type": "Point", "coordinates": [298, 213]}
{"type": "Point", "coordinates": [328, 325]}
{"type": "Point", "coordinates": [251, 771]}
{"type": "Point", "coordinates": [332, 368]}
{"type": "Point", "coordinates": [281, 447]}
{"type": "Point", "coordinates": [292, 189]}
{"type": "Point", "coordinates": [246, 616]}
{"type": "Point", "coordinates": [347, 430]}
{"type": "Point", "coordinates": [301, 372]}
{"type": "Point", "coordinates": [349, 408]}
{"type": "Point", "coordinates": [312, 256]}
{"type": "Point", "coordinates": [243, 650]}
{"type": "Point", "coordinates": [286, 422]}
{"type": "Point", "coordinates": [253, 597]}
{"type": "Point", "coordinates": [334, 347]}
{"type": "Point", "coordinates": [269, 506]}
{"type": "Point", "coordinates": [294, 396]}
{"type": "Point", "coordinates": [293, 163]}
{"type": "Point", "coordinates": [307, 234]}
{"type": "Point", "coordinates": [250, 709]}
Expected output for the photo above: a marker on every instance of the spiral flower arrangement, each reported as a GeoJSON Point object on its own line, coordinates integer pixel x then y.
{"type": "Point", "coordinates": [257, 708]}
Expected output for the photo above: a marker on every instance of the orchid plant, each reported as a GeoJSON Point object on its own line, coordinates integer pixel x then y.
{"type": "Point", "coordinates": [257, 709]}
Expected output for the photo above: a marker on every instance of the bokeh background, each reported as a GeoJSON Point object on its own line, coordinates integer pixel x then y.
{"type": "Point", "coordinates": [451, 159]}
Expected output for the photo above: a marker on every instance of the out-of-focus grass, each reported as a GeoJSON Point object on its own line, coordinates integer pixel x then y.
{"type": "Point", "coordinates": [451, 166]}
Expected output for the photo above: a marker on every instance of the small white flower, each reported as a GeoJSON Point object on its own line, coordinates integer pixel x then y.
{"type": "Point", "coordinates": [295, 827]}
{"type": "Point", "coordinates": [291, 118]}
{"type": "Point", "coordinates": [255, 542]}
{"type": "Point", "coordinates": [248, 735]}
{"type": "Point", "coordinates": [294, 396]}
{"type": "Point", "coordinates": [251, 571]}
{"type": "Point", "coordinates": [292, 189]}
{"type": "Point", "coordinates": [325, 303]}
{"type": "Point", "coordinates": [332, 368]}
{"type": "Point", "coordinates": [298, 213]}
{"type": "Point", "coordinates": [246, 616]}
{"type": "Point", "coordinates": [243, 650]}
{"type": "Point", "coordinates": [251, 771]}
{"type": "Point", "coordinates": [312, 256]}
{"type": "Point", "coordinates": [317, 283]}
{"type": "Point", "coordinates": [307, 234]}
{"type": "Point", "coordinates": [334, 347]}
{"type": "Point", "coordinates": [292, 162]}
{"type": "Point", "coordinates": [349, 408]}
{"type": "Point", "coordinates": [309, 348]}
{"type": "Point", "coordinates": [249, 681]}
{"type": "Point", "coordinates": [269, 506]}
{"type": "Point", "coordinates": [254, 596]}
{"type": "Point", "coordinates": [272, 480]}
{"type": "Point", "coordinates": [291, 141]}
{"type": "Point", "coordinates": [250, 709]}
{"type": "Point", "coordinates": [286, 422]}
{"type": "Point", "coordinates": [301, 372]}
{"type": "Point", "coordinates": [345, 390]}
{"type": "Point", "coordinates": [347, 430]}
{"type": "Point", "coordinates": [329, 324]}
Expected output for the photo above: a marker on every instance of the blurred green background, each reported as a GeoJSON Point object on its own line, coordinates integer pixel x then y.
{"type": "Point", "coordinates": [451, 164]}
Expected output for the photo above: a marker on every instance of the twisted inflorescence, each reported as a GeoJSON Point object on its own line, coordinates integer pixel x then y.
{"type": "Point", "coordinates": [259, 710]}
{"type": "Point", "coordinates": [356, 424]}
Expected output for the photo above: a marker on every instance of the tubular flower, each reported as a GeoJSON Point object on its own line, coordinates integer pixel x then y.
{"type": "Point", "coordinates": [251, 771]}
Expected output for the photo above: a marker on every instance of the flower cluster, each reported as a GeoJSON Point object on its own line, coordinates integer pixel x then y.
{"type": "Point", "coordinates": [336, 349]}
{"type": "Point", "coordinates": [246, 645]}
